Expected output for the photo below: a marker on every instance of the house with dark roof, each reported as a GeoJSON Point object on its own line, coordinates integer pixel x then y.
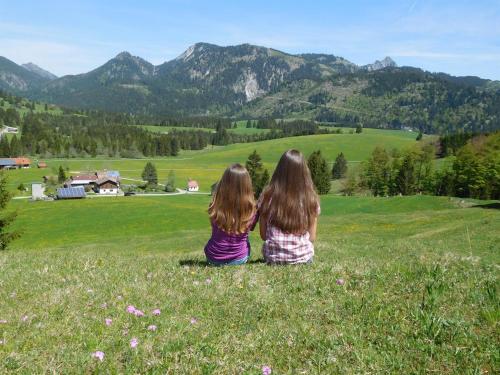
{"type": "Point", "coordinates": [107, 185]}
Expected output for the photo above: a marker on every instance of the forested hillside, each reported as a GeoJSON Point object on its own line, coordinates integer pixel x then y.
{"type": "Point", "coordinates": [252, 82]}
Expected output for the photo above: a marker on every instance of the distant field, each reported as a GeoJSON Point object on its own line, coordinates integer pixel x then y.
{"type": "Point", "coordinates": [240, 129]}
{"type": "Point", "coordinates": [22, 109]}
{"type": "Point", "coordinates": [420, 294]}
{"type": "Point", "coordinates": [207, 165]}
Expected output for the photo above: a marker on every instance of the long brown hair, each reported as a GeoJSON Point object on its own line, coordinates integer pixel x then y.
{"type": "Point", "coordinates": [233, 205]}
{"type": "Point", "coordinates": [290, 202]}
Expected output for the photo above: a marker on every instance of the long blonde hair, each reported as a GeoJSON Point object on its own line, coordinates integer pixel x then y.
{"type": "Point", "coordinates": [233, 205]}
{"type": "Point", "coordinates": [290, 202]}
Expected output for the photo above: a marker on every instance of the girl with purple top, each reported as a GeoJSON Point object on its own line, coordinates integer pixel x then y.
{"type": "Point", "coordinates": [232, 215]}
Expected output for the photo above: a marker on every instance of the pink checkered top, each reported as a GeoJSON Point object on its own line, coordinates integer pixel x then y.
{"type": "Point", "coordinates": [287, 248]}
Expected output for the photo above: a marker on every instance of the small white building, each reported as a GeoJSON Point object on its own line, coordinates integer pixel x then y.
{"type": "Point", "coordinates": [193, 186]}
{"type": "Point", "coordinates": [107, 185]}
{"type": "Point", "coordinates": [37, 191]}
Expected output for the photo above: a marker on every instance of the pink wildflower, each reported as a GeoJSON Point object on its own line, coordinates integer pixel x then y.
{"type": "Point", "coordinates": [104, 305]}
{"type": "Point", "coordinates": [156, 312]}
{"type": "Point", "coordinates": [24, 318]}
{"type": "Point", "coordinates": [340, 282]}
{"type": "Point", "coordinates": [138, 313]}
{"type": "Point", "coordinates": [131, 309]}
{"type": "Point", "coordinates": [134, 343]}
{"type": "Point", "coordinates": [266, 370]}
{"type": "Point", "coordinates": [152, 327]}
{"type": "Point", "coordinates": [108, 321]}
{"type": "Point", "coordinates": [99, 355]}
{"type": "Point", "coordinates": [194, 320]}
{"type": "Point", "coordinates": [3, 321]}
{"type": "Point", "coordinates": [208, 281]}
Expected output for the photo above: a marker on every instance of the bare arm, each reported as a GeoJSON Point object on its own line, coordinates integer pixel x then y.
{"type": "Point", "coordinates": [262, 228]}
{"type": "Point", "coordinates": [312, 229]}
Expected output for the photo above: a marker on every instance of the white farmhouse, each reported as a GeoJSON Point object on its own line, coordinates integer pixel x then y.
{"type": "Point", "coordinates": [107, 185]}
{"type": "Point", "coordinates": [193, 186]}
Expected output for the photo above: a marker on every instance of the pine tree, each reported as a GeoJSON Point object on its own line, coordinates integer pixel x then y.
{"type": "Point", "coordinates": [15, 147]}
{"type": "Point", "coordinates": [170, 185]}
{"type": "Point", "coordinates": [249, 124]}
{"type": "Point", "coordinates": [359, 129]}
{"type": "Point", "coordinates": [258, 175]}
{"type": "Point", "coordinates": [319, 172]}
{"type": "Point", "coordinates": [419, 136]}
{"type": "Point", "coordinates": [4, 147]}
{"type": "Point", "coordinates": [262, 183]}
{"type": "Point", "coordinates": [174, 146]}
{"type": "Point", "coordinates": [406, 177]}
{"type": "Point", "coordinates": [6, 219]}
{"type": "Point", "coordinates": [149, 174]}
{"type": "Point", "coordinates": [378, 172]}
{"type": "Point", "coordinates": [61, 176]}
{"type": "Point", "coordinates": [339, 169]}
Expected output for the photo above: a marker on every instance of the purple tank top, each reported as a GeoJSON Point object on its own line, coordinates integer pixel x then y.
{"type": "Point", "coordinates": [225, 247]}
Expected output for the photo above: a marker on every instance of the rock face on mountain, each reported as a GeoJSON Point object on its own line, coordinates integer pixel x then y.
{"type": "Point", "coordinates": [39, 71]}
{"type": "Point", "coordinates": [206, 78]}
{"type": "Point", "coordinates": [387, 62]}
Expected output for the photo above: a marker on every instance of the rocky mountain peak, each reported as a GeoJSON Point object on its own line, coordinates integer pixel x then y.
{"type": "Point", "coordinates": [39, 71]}
{"type": "Point", "coordinates": [380, 64]}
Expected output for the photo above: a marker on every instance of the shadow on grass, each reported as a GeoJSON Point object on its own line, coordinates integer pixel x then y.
{"type": "Point", "coordinates": [489, 206]}
{"type": "Point", "coordinates": [203, 263]}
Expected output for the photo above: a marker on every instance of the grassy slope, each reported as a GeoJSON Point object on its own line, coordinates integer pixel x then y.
{"type": "Point", "coordinates": [420, 294]}
{"type": "Point", "coordinates": [207, 165]}
{"type": "Point", "coordinates": [240, 129]}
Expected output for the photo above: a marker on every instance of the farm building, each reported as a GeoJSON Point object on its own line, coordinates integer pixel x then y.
{"type": "Point", "coordinates": [107, 185]}
{"type": "Point", "coordinates": [22, 162]}
{"type": "Point", "coordinates": [71, 192]}
{"type": "Point", "coordinates": [81, 180]}
{"type": "Point", "coordinates": [7, 164]}
{"type": "Point", "coordinates": [193, 185]}
{"type": "Point", "coordinates": [37, 191]}
{"type": "Point", "coordinates": [13, 163]}
{"type": "Point", "coordinates": [42, 164]}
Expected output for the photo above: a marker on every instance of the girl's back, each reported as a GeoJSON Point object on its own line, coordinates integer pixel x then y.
{"type": "Point", "coordinates": [289, 208]}
{"type": "Point", "coordinates": [232, 216]}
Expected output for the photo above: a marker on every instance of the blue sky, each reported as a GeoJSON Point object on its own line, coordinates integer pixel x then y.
{"type": "Point", "coordinates": [69, 37]}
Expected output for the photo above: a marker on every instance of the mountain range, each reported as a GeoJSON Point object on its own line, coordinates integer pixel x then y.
{"type": "Point", "coordinates": [249, 81]}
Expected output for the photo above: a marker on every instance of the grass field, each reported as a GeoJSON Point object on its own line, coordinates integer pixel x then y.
{"type": "Point", "coordinates": [240, 129]}
{"type": "Point", "coordinates": [207, 165]}
{"type": "Point", "coordinates": [420, 292]}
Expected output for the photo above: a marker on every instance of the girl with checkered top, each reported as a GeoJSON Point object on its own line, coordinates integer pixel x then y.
{"type": "Point", "coordinates": [289, 209]}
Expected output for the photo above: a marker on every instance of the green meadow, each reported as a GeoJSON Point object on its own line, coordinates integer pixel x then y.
{"type": "Point", "coordinates": [420, 291]}
{"type": "Point", "coordinates": [398, 285]}
{"type": "Point", "coordinates": [207, 165]}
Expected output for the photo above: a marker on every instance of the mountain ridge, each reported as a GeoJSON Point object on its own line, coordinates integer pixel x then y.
{"type": "Point", "coordinates": [249, 81]}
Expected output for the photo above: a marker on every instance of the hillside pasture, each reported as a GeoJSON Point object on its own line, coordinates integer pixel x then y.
{"type": "Point", "coordinates": [419, 292]}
